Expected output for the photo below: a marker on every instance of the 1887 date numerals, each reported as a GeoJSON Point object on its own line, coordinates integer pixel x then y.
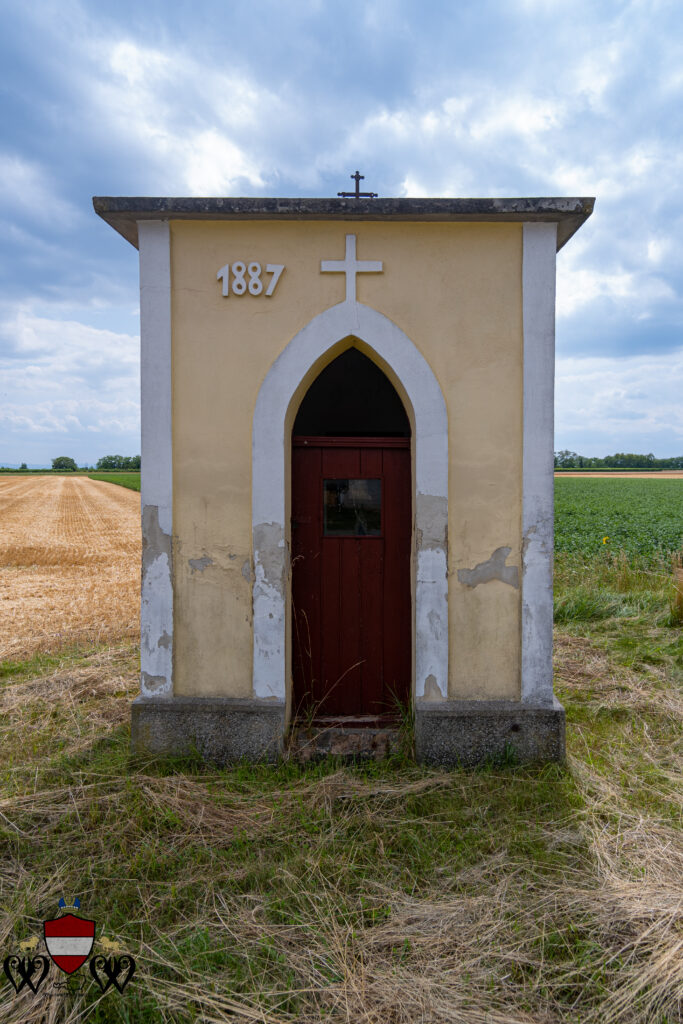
{"type": "Point", "coordinates": [240, 278]}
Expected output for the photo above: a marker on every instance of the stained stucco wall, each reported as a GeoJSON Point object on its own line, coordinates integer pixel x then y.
{"type": "Point", "coordinates": [455, 290]}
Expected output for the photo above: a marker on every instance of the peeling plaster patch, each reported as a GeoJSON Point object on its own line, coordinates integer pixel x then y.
{"type": "Point", "coordinates": [152, 685]}
{"type": "Point", "coordinates": [270, 563]}
{"type": "Point", "coordinates": [157, 621]}
{"type": "Point", "coordinates": [154, 541]}
{"type": "Point", "coordinates": [246, 571]}
{"type": "Point", "coordinates": [527, 539]}
{"type": "Point", "coordinates": [436, 623]}
{"type": "Point", "coordinates": [269, 543]}
{"type": "Point", "coordinates": [200, 564]}
{"type": "Point", "coordinates": [494, 568]}
{"type": "Point", "coordinates": [156, 635]}
{"type": "Point", "coordinates": [432, 690]}
{"type": "Point", "coordinates": [431, 620]}
{"type": "Point", "coordinates": [432, 515]}
{"type": "Point", "coordinates": [539, 538]}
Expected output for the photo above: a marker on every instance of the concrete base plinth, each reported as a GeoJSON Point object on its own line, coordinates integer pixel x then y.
{"type": "Point", "coordinates": [448, 733]}
{"type": "Point", "coordinates": [469, 732]}
{"type": "Point", "coordinates": [221, 730]}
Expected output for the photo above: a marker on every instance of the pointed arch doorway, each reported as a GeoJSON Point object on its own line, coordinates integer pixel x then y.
{"type": "Point", "coordinates": [351, 538]}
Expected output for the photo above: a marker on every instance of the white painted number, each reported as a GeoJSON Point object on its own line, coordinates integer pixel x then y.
{"type": "Point", "coordinates": [239, 285]}
{"type": "Point", "coordinates": [254, 286]}
{"type": "Point", "coordinates": [275, 269]}
{"type": "Point", "coordinates": [224, 273]}
{"type": "Point", "coordinates": [255, 283]}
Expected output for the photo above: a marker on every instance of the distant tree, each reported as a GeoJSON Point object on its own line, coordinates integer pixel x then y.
{"type": "Point", "coordinates": [119, 462]}
{"type": "Point", "coordinates": [630, 460]}
{"type": "Point", "coordinates": [64, 462]}
{"type": "Point", "coordinates": [23, 466]}
{"type": "Point", "coordinates": [566, 459]}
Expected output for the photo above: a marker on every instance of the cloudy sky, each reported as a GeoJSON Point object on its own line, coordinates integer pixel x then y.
{"type": "Point", "coordinates": [427, 97]}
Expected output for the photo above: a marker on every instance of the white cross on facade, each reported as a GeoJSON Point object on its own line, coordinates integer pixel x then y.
{"type": "Point", "coordinates": [351, 266]}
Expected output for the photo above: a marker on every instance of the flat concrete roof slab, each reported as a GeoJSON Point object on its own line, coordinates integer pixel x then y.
{"type": "Point", "coordinates": [123, 212]}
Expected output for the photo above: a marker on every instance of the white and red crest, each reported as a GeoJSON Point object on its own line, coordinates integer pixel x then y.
{"type": "Point", "coordinates": [69, 940]}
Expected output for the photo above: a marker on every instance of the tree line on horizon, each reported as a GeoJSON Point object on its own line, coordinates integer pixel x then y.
{"type": "Point", "coordinates": [564, 459]}
{"type": "Point", "coordinates": [107, 462]}
{"type": "Point", "coordinates": [620, 460]}
{"type": "Point", "coordinates": [65, 464]}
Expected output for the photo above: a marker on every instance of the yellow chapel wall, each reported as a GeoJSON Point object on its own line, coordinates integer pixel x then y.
{"type": "Point", "coordinates": [455, 290]}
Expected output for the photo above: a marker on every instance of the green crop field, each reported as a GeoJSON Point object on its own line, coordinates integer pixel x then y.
{"type": "Point", "coordinates": [131, 480]}
{"type": "Point", "coordinates": [643, 518]}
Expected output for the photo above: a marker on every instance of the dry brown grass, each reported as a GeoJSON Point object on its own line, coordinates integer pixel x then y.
{"type": "Point", "coordinates": [70, 561]}
{"type": "Point", "coordinates": [589, 674]}
{"type": "Point", "coordinates": [301, 895]}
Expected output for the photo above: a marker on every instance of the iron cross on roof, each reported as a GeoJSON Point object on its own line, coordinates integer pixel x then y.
{"type": "Point", "coordinates": [357, 177]}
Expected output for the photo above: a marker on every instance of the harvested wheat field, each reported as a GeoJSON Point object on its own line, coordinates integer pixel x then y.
{"type": "Point", "coordinates": [69, 561]}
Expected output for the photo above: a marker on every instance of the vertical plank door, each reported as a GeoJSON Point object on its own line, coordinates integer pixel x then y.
{"type": "Point", "coordinates": [351, 621]}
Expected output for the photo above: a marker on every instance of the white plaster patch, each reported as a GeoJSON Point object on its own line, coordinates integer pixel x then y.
{"type": "Point", "coordinates": [156, 652]}
{"type": "Point", "coordinates": [431, 623]}
{"type": "Point", "coordinates": [269, 635]}
{"type": "Point", "coordinates": [538, 307]}
{"type": "Point", "coordinates": [156, 608]}
{"type": "Point", "coordinates": [155, 368]}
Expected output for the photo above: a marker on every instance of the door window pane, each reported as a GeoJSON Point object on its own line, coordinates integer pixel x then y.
{"type": "Point", "coordinates": [352, 508]}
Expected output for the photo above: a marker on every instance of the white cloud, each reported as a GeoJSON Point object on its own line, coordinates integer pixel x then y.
{"type": "Point", "coordinates": [635, 291]}
{"type": "Point", "coordinates": [628, 404]}
{"type": "Point", "coordinates": [138, 65]}
{"type": "Point", "coordinates": [611, 178]}
{"type": "Point", "coordinates": [212, 164]}
{"type": "Point", "coordinates": [57, 347]}
{"type": "Point", "coordinates": [68, 379]}
{"type": "Point", "coordinates": [199, 124]}
{"type": "Point", "coordinates": [597, 71]}
{"type": "Point", "coordinates": [524, 115]}
{"type": "Point", "coordinates": [27, 185]}
{"type": "Point", "coordinates": [658, 249]}
{"type": "Point", "coordinates": [479, 116]}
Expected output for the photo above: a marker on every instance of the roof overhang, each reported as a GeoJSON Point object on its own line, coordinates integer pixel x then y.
{"type": "Point", "coordinates": [123, 213]}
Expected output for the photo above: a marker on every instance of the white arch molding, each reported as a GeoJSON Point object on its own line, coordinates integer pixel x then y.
{"type": "Point", "coordinates": [270, 458]}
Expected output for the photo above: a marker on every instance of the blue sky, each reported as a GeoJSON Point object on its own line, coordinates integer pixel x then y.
{"type": "Point", "coordinates": [485, 98]}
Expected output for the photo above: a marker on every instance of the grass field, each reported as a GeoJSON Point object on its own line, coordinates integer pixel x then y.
{"type": "Point", "coordinates": [131, 480]}
{"type": "Point", "coordinates": [385, 893]}
{"type": "Point", "coordinates": [641, 517]}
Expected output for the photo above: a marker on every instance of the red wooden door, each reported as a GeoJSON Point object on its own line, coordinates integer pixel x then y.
{"type": "Point", "coordinates": [351, 621]}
